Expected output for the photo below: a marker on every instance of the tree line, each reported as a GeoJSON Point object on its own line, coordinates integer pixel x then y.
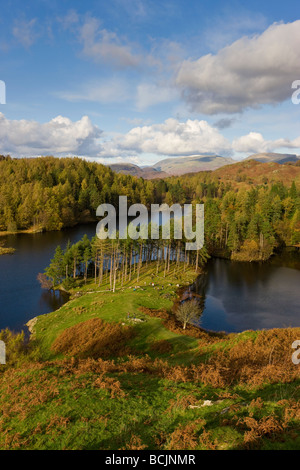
{"type": "Point", "coordinates": [117, 261]}
{"type": "Point", "coordinates": [51, 193]}
{"type": "Point", "coordinates": [245, 222]}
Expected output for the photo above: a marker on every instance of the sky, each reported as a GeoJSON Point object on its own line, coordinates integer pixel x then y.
{"type": "Point", "coordinates": [142, 80]}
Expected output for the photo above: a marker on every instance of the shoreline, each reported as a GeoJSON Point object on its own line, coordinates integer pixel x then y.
{"type": "Point", "coordinates": [5, 233]}
{"type": "Point", "coordinates": [74, 294]}
{"type": "Point", "coordinates": [7, 251]}
{"type": "Point", "coordinates": [37, 229]}
{"type": "Point", "coordinates": [182, 291]}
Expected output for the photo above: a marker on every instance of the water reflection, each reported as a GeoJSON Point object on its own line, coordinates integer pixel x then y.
{"type": "Point", "coordinates": [21, 297]}
{"type": "Point", "coordinates": [235, 296]}
{"type": "Point", "coordinates": [53, 299]}
{"type": "Point", "coordinates": [244, 296]}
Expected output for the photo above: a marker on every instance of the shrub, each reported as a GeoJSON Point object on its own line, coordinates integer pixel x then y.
{"type": "Point", "coordinates": [163, 346]}
{"type": "Point", "coordinates": [266, 359]}
{"type": "Point", "coordinates": [188, 312]}
{"type": "Point", "coordinates": [18, 349]}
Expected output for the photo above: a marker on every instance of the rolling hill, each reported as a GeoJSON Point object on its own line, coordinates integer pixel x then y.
{"type": "Point", "coordinates": [274, 157]}
{"type": "Point", "coordinates": [249, 172]}
{"type": "Point", "coordinates": [173, 166]}
{"type": "Point", "coordinates": [135, 170]}
{"type": "Point", "coordinates": [178, 166]}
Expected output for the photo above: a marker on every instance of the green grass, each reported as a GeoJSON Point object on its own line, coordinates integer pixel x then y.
{"type": "Point", "coordinates": [77, 415]}
{"type": "Point", "coordinates": [96, 421]}
{"type": "Point", "coordinates": [114, 307]}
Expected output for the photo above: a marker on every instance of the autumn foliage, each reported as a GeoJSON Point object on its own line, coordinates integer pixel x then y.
{"type": "Point", "coordinates": [94, 338]}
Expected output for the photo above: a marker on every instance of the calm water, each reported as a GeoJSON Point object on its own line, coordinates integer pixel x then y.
{"type": "Point", "coordinates": [238, 296]}
{"type": "Point", "coordinates": [248, 296]}
{"type": "Point", "coordinates": [21, 297]}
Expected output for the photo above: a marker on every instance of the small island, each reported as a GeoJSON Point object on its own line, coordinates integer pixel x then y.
{"type": "Point", "coordinates": [5, 250]}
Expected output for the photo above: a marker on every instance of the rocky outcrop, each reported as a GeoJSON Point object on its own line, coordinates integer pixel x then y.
{"type": "Point", "coordinates": [31, 324]}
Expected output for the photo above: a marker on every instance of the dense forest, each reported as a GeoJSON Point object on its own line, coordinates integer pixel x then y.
{"type": "Point", "coordinates": [51, 193]}
{"type": "Point", "coordinates": [246, 217]}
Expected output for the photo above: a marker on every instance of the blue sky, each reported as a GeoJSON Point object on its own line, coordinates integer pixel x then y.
{"type": "Point", "coordinates": [141, 80]}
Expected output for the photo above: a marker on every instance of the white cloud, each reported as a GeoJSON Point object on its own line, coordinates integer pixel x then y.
{"type": "Point", "coordinates": [136, 9]}
{"type": "Point", "coordinates": [24, 32]}
{"type": "Point", "coordinates": [165, 55]}
{"type": "Point", "coordinates": [254, 142]}
{"type": "Point", "coordinates": [224, 123]}
{"type": "Point", "coordinates": [251, 143]}
{"type": "Point", "coordinates": [105, 46]}
{"type": "Point", "coordinates": [58, 136]}
{"type": "Point", "coordinates": [250, 72]}
{"type": "Point", "coordinates": [69, 20]}
{"type": "Point", "coordinates": [61, 137]}
{"type": "Point", "coordinates": [171, 138]}
{"type": "Point", "coordinates": [192, 137]}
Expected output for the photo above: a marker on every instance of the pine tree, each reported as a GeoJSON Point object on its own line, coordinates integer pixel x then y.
{"type": "Point", "coordinates": [56, 269]}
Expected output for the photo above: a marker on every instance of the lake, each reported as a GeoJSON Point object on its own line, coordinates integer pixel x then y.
{"type": "Point", "coordinates": [21, 297]}
{"type": "Point", "coordinates": [238, 296]}
{"type": "Point", "coordinates": [251, 296]}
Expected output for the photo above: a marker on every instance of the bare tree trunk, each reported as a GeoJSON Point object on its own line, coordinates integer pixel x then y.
{"type": "Point", "coordinates": [95, 269]}
{"type": "Point", "coordinates": [111, 270]}
{"type": "Point", "coordinates": [130, 263]}
{"type": "Point", "coordinates": [101, 268]}
{"type": "Point", "coordinates": [157, 260]}
{"type": "Point", "coordinates": [85, 271]}
{"type": "Point", "coordinates": [115, 267]}
{"type": "Point", "coordinates": [178, 253]}
{"type": "Point", "coordinates": [134, 262]}
{"type": "Point", "coordinates": [122, 271]}
{"type": "Point", "coordinates": [126, 264]}
{"type": "Point", "coordinates": [197, 261]}
{"type": "Point", "coordinates": [166, 260]}
{"type": "Point", "coordinates": [74, 268]}
{"type": "Point", "coordinates": [169, 256]}
{"type": "Point", "coordinates": [140, 262]}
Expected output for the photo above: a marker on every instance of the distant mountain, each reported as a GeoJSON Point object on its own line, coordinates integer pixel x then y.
{"type": "Point", "coordinates": [181, 165]}
{"type": "Point", "coordinates": [177, 166]}
{"type": "Point", "coordinates": [173, 166]}
{"type": "Point", "coordinates": [274, 157]}
{"type": "Point", "coordinates": [134, 170]}
{"type": "Point", "coordinates": [127, 169]}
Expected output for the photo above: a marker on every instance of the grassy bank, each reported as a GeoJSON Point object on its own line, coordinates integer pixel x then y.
{"type": "Point", "coordinates": [116, 371]}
